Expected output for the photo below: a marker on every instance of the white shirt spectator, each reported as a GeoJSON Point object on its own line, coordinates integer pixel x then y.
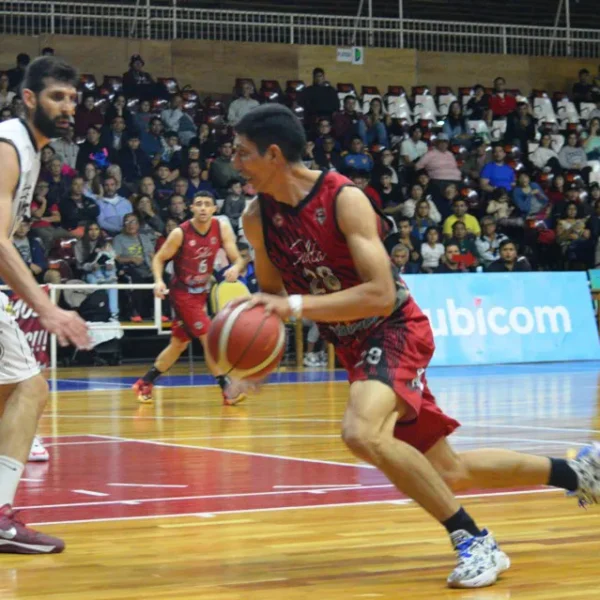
{"type": "Point", "coordinates": [239, 108]}
{"type": "Point", "coordinates": [431, 256]}
{"type": "Point", "coordinates": [540, 156]}
{"type": "Point", "coordinates": [408, 210]}
{"type": "Point", "coordinates": [489, 250]}
{"type": "Point", "coordinates": [413, 150]}
{"type": "Point", "coordinates": [6, 99]}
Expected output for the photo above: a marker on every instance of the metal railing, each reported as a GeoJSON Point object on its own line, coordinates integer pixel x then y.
{"type": "Point", "coordinates": [147, 20]}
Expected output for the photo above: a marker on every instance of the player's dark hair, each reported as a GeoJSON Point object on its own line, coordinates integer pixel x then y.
{"type": "Point", "coordinates": [274, 124]}
{"type": "Point", "coordinates": [48, 67]}
{"type": "Point", "coordinates": [204, 194]}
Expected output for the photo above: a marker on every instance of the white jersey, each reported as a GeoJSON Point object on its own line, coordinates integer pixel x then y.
{"type": "Point", "coordinates": [16, 133]}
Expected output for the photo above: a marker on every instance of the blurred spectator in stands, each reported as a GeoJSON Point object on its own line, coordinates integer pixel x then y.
{"type": "Point", "coordinates": [361, 180]}
{"type": "Point", "coordinates": [194, 179]}
{"type": "Point", "coordinates": [173, 154]}
{"type": "Point", "coordinates": [478, 103]}
{"type": "Point", "coordinates": [47, 51]}
{"type": "Point", "coordinates": [345, 123]}
{"type": "Point", "coordinates": [92, 150]}
{"type": "Point", "coordinates": [170, 224]}
{"type": "Point", "coordinates": [479, 156]}
{"type": "Point", "coordinates": [529, 198]}
{"type": "Point", "coordinates": [440, 163]}
{"type": "Point", "coordinates": [466, 245]}
{"type": "Point", "coordinates": [18, 108]}
{"type": "Point", "coordinates": [86, 116]}
{"type": "Point", "coordinates": [574, 239]}
{"type": "Point", "coordinates": [45, 217]}
{"type": "Point", "coordinates": [175, 119]}
{"type": "Point", "coordinates": [497, 173]}
{"type": "Point", "coordinates": [502, 209]}
{"type": "Point", "coordinates": [450, 261]}
{"type": "Point", "coordinates": [234, 205]}
{"type": "Point", "coordinates": [114, 138]}
{"type": "Point", "coordinates": [509, 260]}
{"type": "Point", "coordinates": [502, 103]}
{"type": "Point", "coordinates": [572, 157]}
{"type": "Point", "coordinates": [188, 155]}
{"type": "Point", "coordinates": [180, 186]}
{"type": "Point", "coordinates": [411, 150]}
{"type": "Point", "coordinates": [138, 83]}
{"type": "Point", "coordinates": [319, 99]}
{"type": "Point", "coordinates": [205, 142]}
{"type": "Point", "coordinates": [143, 116]}
{"type": "Point", "coordinates": [324, 130]}
{"type": "Point", "coordinates": [222, 170]}
{"type": "Point", "coordinates": [372, 128]}
{"type": "Point", "coordinates": [400, 256]}
{"type": "Point", "coordinates": [59, 183]}
{"type": "Point", "coordinates": [385, 165]}
{"type": "Point", "coordinates": [134, 162]}
{"type": "Point", "coordinates": [358, 157]}
{"type": "Point", "coordinates": [66, 149]}
{"type": "Point", "coordinates": [308, 158]}
{"type": "Point", "coordinates": [46, 158]}
{"type": "Point", "coordinates": [593, 223]}
{"type": "Point", "coordinates": [459, 208]}
{"type": "Point", "coordinates": [77, 210]}
{"type": "Point", "coordinates": [32, 253]}
{"type": "Point", "coordinates": [113, 207]}
{"type": "Point", "coordinates": [177, 209]}
{"type": "Point", "coordinates": [405, 236]}
{"type": "Point", "coordinates": [432, 192]}
{"type": "Point", "coordinates": [422, 220]}
{"type": "Point", "coordinates": [595, 114]}
{"type": "Point", "coordinates": [115, 171]}
{"type": "Point", "coordinates": [456, 127]}
{"type": "Point", "coordinates": [327, 157]}
{"type": "Point", "coordinates": [582, 90]}
{"type": "Point", "coordinates": [520, 127]}
{"type": "Point", "coordinates": [148, 218]}
{"type": "Point", "coordinates": [118, 108]}
{"type": "Point", "coordinates": [416, 194]}
{"type": "Point", "coordinates": [147, 187]}
{"type": "Point", "coordinates": [5, 114]}
{"type": "Point", "coordinates": [591, 145]}
{"type": "Point", "coordinates": [545, 156]}
{"type": "Point", "coordinates": [431, 251]}
{"type": "Point", "coordinates": [92, 184]}
{"type": "Point", "coordinates": [572, 196]}
{"type": "Point", "coordinates": [162, 181]}
{"type": "Point", "coordinates": [391, 195]}
{"type": "Point", "coordinates": [153, 141]}
{"type": "Point", "coordinates": [15, 75]}
{"type": "Point", "coordinates": [594, 196]}
{"type": "Point", "coordinates": [488, 243]}
{"type": "Point", "coordinates": [556, 193]}
{"type": "Point", "coordinates": [95, 258]}
{"type": "Point", "coordinates": [241, 106]}
{"type": "Point", "coordinates": [486, 126]}
{"type": "Point", "coordinates": [6, 95]}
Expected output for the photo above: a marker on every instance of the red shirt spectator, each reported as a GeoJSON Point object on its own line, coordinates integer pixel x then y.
{"type": "Point", "coordinates": [501, 103]}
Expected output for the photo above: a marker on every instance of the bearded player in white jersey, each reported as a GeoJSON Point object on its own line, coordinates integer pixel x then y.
{"type": "Point", "coordinates": [50, 96]}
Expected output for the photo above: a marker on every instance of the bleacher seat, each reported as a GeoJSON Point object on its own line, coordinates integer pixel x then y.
{"type": "Point", "coordinates": [397, 104]}
{"type": "Point", "coordinates": [191, 100]}
{"type": "Point", "coordinates": [294, 85]}
{"type": "Point", "coordinates": [170, 84]}
{"type": "Point", "coordinates": [159, 104]}
{"type": "Point", "coordinates": [566, 111]}
{"type": "Point", "coordinates": [585, 108]}
{"type": "Point", "coordinates": [498, 129]}
{"type": "Point", "coordinates": [270, 91]}
{"type": "Point", "coordinates": [444, 97]}
{"type": "Point", "coordinates": [424, 104]}
{"type": "Point", "coordinates": [87, 82]}
{"type": "Point", "coordinates": [543, 110]}
{"type": "Point", "coordinates": [113, 82]}
{"type": "Point", "coordinates": [465, 94]}
{"type": "Point", "coordinates": [346, 89]}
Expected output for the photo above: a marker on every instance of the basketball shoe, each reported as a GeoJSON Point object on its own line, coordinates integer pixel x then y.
{"type": "Point", "coordinates": [143, 391]}
{"type": "Point", "coordinates": [234, 392]}
{"type": "Point", "coordinates": [17, 538]}
{"type": "Point", "coordinates": [480, 560]}
{"type": "Point", "coordinates": [587, 466]}
{"type": "Point", "coordinates": [38, 453]}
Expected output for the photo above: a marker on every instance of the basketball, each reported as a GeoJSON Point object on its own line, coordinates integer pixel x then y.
{"type": "Point", "coordinates": [246, 343]}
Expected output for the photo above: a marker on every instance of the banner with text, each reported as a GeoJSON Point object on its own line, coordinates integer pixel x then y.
{"type": "Point", "coordinates": [508, 317]}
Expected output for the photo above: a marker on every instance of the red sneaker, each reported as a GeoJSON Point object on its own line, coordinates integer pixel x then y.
{"type": "Point", "coordinates": [143, 391]}
{"type": "Point", "coordinates": [17, 538]}
{"type": "Point", "coordinates": [136, 319]}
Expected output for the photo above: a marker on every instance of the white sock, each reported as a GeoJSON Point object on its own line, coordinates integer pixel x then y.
{"type": "Point", "coordinates": [10, 475]}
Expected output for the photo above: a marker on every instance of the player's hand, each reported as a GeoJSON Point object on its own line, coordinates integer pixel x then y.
{"type": "Point", "coordinates": [68, 327]}
{"type": "Point", "coordinates": [232, 274]}
{"type": "Point", "coordinates": [160, 289]}
{"type": "Point", "coordinates": [273, 304]}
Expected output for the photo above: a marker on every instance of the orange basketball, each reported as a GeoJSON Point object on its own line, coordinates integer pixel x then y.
{"type": "Point", "coordinates": [246, 343]}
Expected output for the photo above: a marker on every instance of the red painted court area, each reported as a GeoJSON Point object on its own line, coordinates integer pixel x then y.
{"type": "Point", "coordinates": [99, 478]}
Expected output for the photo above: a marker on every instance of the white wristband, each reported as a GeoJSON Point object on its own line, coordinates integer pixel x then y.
{"type": "Point", "coordinates": [296, 305]}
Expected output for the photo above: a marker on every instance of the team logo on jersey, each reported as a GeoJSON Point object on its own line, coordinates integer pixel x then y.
{"type": "Point", "coordinates": [213, 240]}
{"type": "Point", "coordinates": [198, 325]}
{"type": "Point", "coordinates": [320, 216]}
{"type": "Point", "coordinates": [192, 243]}
{"type": "Point", "coordinates": [278, 220]}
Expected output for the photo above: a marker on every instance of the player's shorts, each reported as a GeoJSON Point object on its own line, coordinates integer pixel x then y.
{"type": "Point", "coordinates": [17, 362]}
{"type": "Point", "coordinates": [397, 353]}
{"type": "Point", "coordinates": [190, 318]}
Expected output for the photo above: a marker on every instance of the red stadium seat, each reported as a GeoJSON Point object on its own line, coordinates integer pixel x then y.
{"type": "Point", "coordinates": [170, 84]}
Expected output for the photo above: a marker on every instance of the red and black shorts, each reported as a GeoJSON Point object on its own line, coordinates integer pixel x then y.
{"type": "Point", "coordinates": [190, 318]}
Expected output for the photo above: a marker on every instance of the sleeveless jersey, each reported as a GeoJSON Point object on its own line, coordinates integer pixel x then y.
{"type": "Point", "coordinates": [18, 135]}
{"type": "Point", "coordinates": [307, 247]}
{"type": "Point", "coordinates": [193, 263]}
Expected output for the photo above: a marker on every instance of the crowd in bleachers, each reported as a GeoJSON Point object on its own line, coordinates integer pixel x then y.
{"type": "Point", "coordinates": [484, 179]}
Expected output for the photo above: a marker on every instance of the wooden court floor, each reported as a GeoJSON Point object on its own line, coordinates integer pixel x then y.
{"type": "Point", "coordinates": [187, 499]}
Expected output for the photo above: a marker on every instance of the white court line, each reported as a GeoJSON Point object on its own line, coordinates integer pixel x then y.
{"type": "Point", "coordinates": [283, 508]}
{"type": "Point", "coordinates": [48, 444]}
{"type": "Point", "coordinates": [146, 485]}
{"type": "Point", "coordinates": [88, 493]}
{"type": "Point", "coordinates": [492, 438]}
{"type": "Point", "coordinates": [324, 486]}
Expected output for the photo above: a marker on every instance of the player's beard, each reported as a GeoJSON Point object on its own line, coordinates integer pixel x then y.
{"type": "Point", "coordinates": [45, 125]}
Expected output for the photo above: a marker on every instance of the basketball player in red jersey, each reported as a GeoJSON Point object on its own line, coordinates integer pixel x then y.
{"type": "Point", "coordinates": [317, 237]}
{"type": "Point", "coordinates": [193, 247]}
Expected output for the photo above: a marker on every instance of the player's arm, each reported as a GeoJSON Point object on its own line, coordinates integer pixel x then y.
{"type": "Point", "coordinates": [231, 249]}
{"type": "Point", "coordinates": [13, 269]}
{"type": "Point", "coordinates": [168, 250]}
{"type": "Point", "coordinates": [268, 277]}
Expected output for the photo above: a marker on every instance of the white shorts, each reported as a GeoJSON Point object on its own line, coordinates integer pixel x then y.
{"type": "Point", "coordinates": [17, 362]}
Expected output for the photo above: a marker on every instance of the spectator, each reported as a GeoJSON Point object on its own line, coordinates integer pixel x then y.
{"type": "Point", "coordinates": [422, 221]}
{"type": "Point", "coordinates": [87, 115]}
{"type": "Point", "coordinates": [113, 208]}
{"type": "Point", "coordinates": [406, 237]}
{"type": "Point", "coordinates": [544, 155]}
{"type": "Point", "coordinates": [181, 187]}
{"type": "Point", "coordinates": [16, 74]}
{"type": "Point", "coordinates": [92, 150]}
{"type": "Point", "coordinates": [556, 193]}
{"type": "Point", "coordinates": [573, 158]}
{"type": "Point", "coordinates": [478, 158]}
{"type": "Point", "coordinates": [450, 261]}
{"type": "Point", "coordinates": [175, 119]}
{"type": "Point", "coordinates": [502, 103]}
{"type": "Point", "coordinates": [386, 165]}
{"type": "Point", "coordinates": [456, 126]}
{"type": "Point", "coordinates": [148, 219]}
{"type": "Point", "coordinates": [358, 157]}
{"type": "Point", "coordinates": [319, 99]}
{"type": "Point", "coordinates": [45, 217]}
{"type": "Point", "coordinates": [431, 251]}
{"type": "Point", "coordinates": [234, 205]}
{"type": "Point", "coordinates": [177, 209]}
{"type": "Point", "coordinates": [530, 199]}
{"type": "Point", "coordinates": [391, 195]}
{"type": "Point", "coordinates": [324, 131]}
{"type": "Point", "coordinates": [502, 209]}
{"type": "Point", "coordinates": [66, 149]}
{"type": "Point", "coordinates": [143, 116]}
{"type": "Point", "coordinates": [222, 170]}
{"type": "Point", "coordinates": [95, 259]}
{"type": "Point", "coordinates": [241, 106]}
{"type": "Point", "coordinates": [459, 208]}
{"type": "Point", "coordinates": [194, 180]}
{"type": "Point", "coordinates": [170, 225]}
{"type": "Point", "coordinates": [509, 260]}
{"type": "Point", "coordinates": [32, 253]}
{"type": "Point", "coordinates": [77, 211]}
{"type": "Point", "coordinates": [18, 108]}
{"type": "Point", "coordinates": [205, 142]}
{"type": "Point", "coordinates": [497, 173]}
{"type": "Point", "coordinates": [162, 181]}
{"type": "Point", "coordinates": [372, 128]}
{"type": "Point", "coordinates": [593, 223]}
{"type": "Point", "coordinates": [118, 108]}
{"type": "Point", "coordinates": [6, 96]}
{"type": "Point", "coordinates": [92, 184]}
{"type": "Point", "coordinates": [6, 114]}
{"type": "Point", "coordinates": [172, 154]}
{"type": "Point", "coordinates": [440, 164]}
{"type": "Point", "coordinates": [572, 196]}
{"type": "Point", "coordinates": [488, 243]}
{"type": "Point", "coordinates": [582, 90]}
{"type": "Point", "coordinates": [400, 256]}
{"type": "Point", "coordinates": [591, 145]}
{"type": "Point", "coordinates": [417, 193]}
{"type": "Point", "coordinates": [138, 83]}
{"type": "Point", "coordinates": [345, 123]}
{"type": "Point", "coordinates": [59, 184]}
{"type": "Point", "coordinates": [135, 163]}
{"type": "Point", "coordinates": [571, 228]}
{"type": "Point", "coordinates": [147, 187]}
{"type": "Point", "coordinates": [153, 141]}
{"type": "Point", "coordinates": [114, 138]}
{"type": "Point", "coordinates": [478, 103]}
{"type": "Point", "coordinates": [466, 245]}
{"type": "Point", "coordinates": [595, 114]}
{"type": "Point", "coordinates": [327, 157]}
{"type": "Point", "coordinates": [520, 127]}
{"type": "Point", "coordinates": [412, 149]}
{"type": "Point", "coordinates": [308, 158]}
{"type": "Point", "coordinates": [361, 181]}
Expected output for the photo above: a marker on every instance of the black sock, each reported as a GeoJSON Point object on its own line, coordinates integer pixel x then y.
{"type": "Point", "coordinates": [562, 475]}
{"type": "Point", "coordinates": [152, 375]}
{"type": "Point", "coordinates": [461, 520]}
{"type": "Point", "coordinates": [222, 381]}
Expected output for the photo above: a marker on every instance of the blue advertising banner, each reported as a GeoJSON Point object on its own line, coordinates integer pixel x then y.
{"type": "Point", "coordinates": [498, 318]}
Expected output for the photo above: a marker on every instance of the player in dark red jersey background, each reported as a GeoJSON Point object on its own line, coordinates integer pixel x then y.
{"type": "Point", "coordinates": [316, 237]}
{"type": "Point", "coordinates": [193, 247]}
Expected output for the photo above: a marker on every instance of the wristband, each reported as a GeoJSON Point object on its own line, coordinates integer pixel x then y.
{"type": "Point", "coordinates": [295, 302]}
